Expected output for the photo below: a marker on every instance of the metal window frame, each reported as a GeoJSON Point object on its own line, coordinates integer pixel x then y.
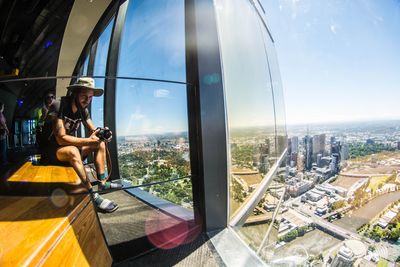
{"type": "Point", "coordinates": [208, 121]}
{"type": "Point", "coordinates": [247, 209]}
{"type": "Point", "coordinates": [110, 84]}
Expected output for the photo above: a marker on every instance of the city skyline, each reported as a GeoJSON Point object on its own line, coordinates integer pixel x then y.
{"type": "Point", "coordinates": [339, 60]}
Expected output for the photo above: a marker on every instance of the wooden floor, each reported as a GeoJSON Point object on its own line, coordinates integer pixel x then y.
{"type": "Point", "coordinates": [45, 174]}
{"type": "Point", "coordinates": [57, 228]}
{"type": "Point", "coordinates": [38, 180]}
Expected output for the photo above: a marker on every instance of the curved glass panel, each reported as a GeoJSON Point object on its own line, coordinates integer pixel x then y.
{"type": "Point", "coordinates": [99, 69]}
{"type": "Point", "coordinates": [249, 99]}
{"type": "Point", "coordinates": [261, 229]}
{"type": "Point", "coordinates": [152, 128]}
{"type": "Point", "coordinates": [153, 41]}
{"type": "Point", "coordinates": [280, 116]}
{"type": "Point", "coordinates": [85, 66]}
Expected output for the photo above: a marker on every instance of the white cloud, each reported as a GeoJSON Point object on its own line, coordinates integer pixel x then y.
{"type": "Point", "coordinates": [137, 115]}
{"type": "Point", "coordinates": [161, 93]}
{"type": "Point", "coordinates": [333, 28]}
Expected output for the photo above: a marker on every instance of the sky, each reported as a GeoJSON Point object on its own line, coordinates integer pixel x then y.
{"type": "Point", "coordinates": [152, 46]}
{"type": "Point", "coordinates": [339, 59]}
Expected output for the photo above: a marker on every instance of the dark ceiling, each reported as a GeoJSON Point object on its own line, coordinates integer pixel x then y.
{"type": "Point", "coordinates": [31, 32]}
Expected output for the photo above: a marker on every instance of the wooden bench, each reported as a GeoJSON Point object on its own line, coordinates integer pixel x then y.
{"type": "Point", "coordinates": [59, 229]}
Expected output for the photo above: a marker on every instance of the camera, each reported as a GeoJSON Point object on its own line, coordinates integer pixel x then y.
{"type": "Point", "coordinates": [104, 134]}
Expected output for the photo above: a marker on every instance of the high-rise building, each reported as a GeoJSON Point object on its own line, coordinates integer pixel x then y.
{"type": "Point", "coordinates": [294, 144]}
{"type": "Point", "coordinates": [308, 144]}
{"type": "Point", "coordinates": [315, 146]}
{"type": "Point", "coordinates": [319, 157]}
{"type": "Point", "coordinates": [344, 152]}
{"type": "Point", "coordinates": [300, 162]}
{"type": "Point", "coordinates": [333, 139]}
{"type": "Point", "coordinates": [318, 145]}
{"type": "Point", "coordinates": [293, 157]}
{"type": "Point", "coordinates": [322, 138]}
{"type": "Point", "coordinates": [334, 165]}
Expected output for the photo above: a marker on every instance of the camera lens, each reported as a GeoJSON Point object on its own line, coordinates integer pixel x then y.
{"type": "Point", "coordinates": [106, 134]}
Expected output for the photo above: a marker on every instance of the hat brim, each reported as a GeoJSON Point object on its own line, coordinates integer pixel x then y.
{"type": "Point", "coordinates": [96, 91]}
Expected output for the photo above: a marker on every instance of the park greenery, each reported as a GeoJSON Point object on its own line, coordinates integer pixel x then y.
{"type": "Point", "coordinates": [242, 156]}
{"type": "Point", "coordinates": [293, 234]}
{"type": "Point", "coordinates": [142, 167]}
{"type": "Point", "coordinates": [252, 156]}
{"type": "Point", "coordinates": [382, 263]}
{"type": "Point", "coordinates": [237, 190]}
{"type": "Point", "coordinates": [363, 149]}
{"type": "Point", "coordinates": [375, 232]}
{"type": "Point", "coordinates": [338, 204]}
{"type": "Point", "coordinates": [360, 196]}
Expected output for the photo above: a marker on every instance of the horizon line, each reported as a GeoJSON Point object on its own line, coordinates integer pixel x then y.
{"type": "Point", "coordinates": [342, 121]}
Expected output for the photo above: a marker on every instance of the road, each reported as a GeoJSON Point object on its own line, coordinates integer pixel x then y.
{"type": "Point", "coordinates": [357, 175]}
{"type": "Point", "coordinates": [329, 226]}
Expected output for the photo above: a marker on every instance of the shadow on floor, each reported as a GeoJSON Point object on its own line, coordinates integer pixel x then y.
{"type": "Point", "coordinates": [139, 235]}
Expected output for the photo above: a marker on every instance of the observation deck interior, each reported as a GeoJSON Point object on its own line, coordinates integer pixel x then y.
{"type": "Point", "coordinates": [166, 99]}
{"type": "Point", "coordinates": [37, 216]}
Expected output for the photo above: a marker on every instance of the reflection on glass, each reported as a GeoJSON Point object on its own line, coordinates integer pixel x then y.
{"type": "Point", "coordinates": [249, 99]}
{"type": "Point", "coordinates": [280, 116]}
{"type": "Point", "coordinates": [99, 69]}
{"type": "Point", "coordinates": [263, 228]}
{"type": "Point", "coordinates": [166, 228]}
{"type": "Point", "coordinates": [153, 41]}
{"type": "Point", "coordinates": [152, 128]}
{"type": "Point", "coordinates": [85, 66]}
{"type": "Point", "coordinates": [178, 192]}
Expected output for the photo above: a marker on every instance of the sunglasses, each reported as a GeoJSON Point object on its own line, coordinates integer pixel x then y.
{"type": "Point", "coordinates": [50, 96]}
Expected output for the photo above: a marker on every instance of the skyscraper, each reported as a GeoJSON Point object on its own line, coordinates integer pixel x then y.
{"type": "Point", "coordinates": [308, 144]}
{"type": "Point", "coordinates": [315, 146]}
{"type": "Point", "coordinates": [295, 144]}
{"type": "Point", "coordinates": [344, 152]}
{"type": "Point", "coordinates": [322, 138]}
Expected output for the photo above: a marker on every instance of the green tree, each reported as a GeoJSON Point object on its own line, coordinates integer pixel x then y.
{"type": "Point", "coordinates": [338, 204]}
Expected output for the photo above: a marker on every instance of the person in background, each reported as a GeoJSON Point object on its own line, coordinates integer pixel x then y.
{"type": "Point", "coordinates": [41, 134]}
{"type": "Point", "coordinates": [3, 136]}
{"type": "Point", "coordinates": [47, 101]}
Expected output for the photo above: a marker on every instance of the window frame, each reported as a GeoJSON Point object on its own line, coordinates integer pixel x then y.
{"type": "Point", "coordinates": [207, 123]}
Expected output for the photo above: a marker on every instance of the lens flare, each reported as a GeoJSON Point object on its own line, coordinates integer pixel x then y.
{"type": "Point", "coordinates": [167, 232]}
{"type": "Point", "coordinates": [59, 198]}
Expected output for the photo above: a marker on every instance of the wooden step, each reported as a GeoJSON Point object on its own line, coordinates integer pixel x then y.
{"type": "Point", "coordinates": [59, 229]}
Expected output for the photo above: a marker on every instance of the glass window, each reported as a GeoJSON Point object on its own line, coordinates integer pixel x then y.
{"type": "Point", "coordinates": [153, 142]}
{"type": "Point", "coordinates": [99, 69]}
{"type": "Point", "coordinates": [153, 41]}
{"type": "Point", "coordinates": [280, 116]}
{"type": "Point", "coordinates": [249, 99]}
{"type": "Point", "coordinates": [152, 117]}
{"type": "Point", "coordinates": [85, 66]}
{"type": "Point", "coordinates": [262, 228]}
